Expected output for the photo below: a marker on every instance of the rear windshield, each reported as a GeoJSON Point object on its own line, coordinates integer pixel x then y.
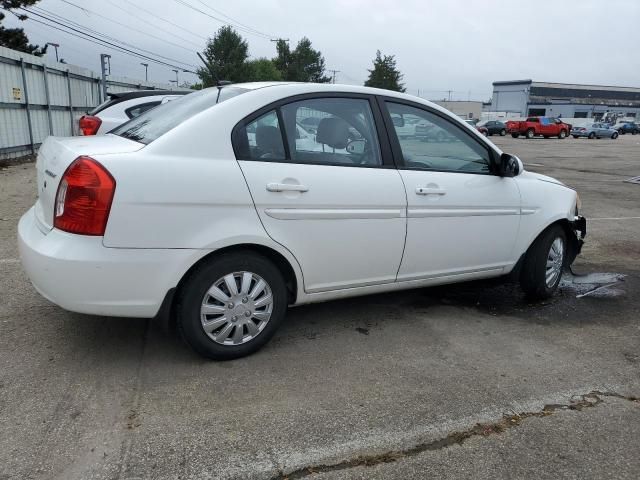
{"type": "Point", "coordinates": [154, 123]}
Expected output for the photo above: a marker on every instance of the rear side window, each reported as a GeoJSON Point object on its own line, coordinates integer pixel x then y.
{"type": "Point", "coordinates": [320, 131]}
{"type": "Point", "coordinates": [262, 139]}
{"type": "Point", "coordinates": [155, 122]}
{"type": "Point", "coordinates": [133, 112]}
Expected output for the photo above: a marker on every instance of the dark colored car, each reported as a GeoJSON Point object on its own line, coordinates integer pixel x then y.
{"type": "Point", "coordinates": [628, 127]}
{"type": "Point", "coordinates": [494, 127]}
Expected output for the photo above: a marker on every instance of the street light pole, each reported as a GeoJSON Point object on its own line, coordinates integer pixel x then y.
{"type": "Point", "coordinates": [176, 77]}
{"type": "Point", "coordinates": [55, 45]}
{"type": "Point", "coordinates": [146, 68]}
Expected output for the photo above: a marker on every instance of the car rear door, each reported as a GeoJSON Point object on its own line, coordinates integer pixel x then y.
{"type": "Point", "coordinates": [462, 220]}
{"type": "Point", "coordinates": [334, 200]}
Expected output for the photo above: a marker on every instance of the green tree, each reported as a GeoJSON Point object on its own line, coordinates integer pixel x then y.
{"type": "Point", "coordinates": [385, 74]}
{"type": "Point", "coordinates": [262, 70]}
{"type": "Point", "coordinates": [303, 64]}
{"type": "Point", "coordinates": [15, 38]}
{"type": "Point", "coordinates": [226, 55]}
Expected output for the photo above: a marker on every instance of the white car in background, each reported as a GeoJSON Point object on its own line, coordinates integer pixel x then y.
{"type": "Point", "coordinates": [212, 210]}
{"type": "Point", "coordinates": [122, 107]}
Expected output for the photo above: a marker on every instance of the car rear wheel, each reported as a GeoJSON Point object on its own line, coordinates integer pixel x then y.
{"type": "Point", "coordinates": [530, 133]}
{"type": "Point", "coordinates": [544, 263]}
{"type": "Point", "coordinates": [591, 136]}
{"type": "Point", "coordinates": [614, 135]}
{"type": "Point", "coordinates": [634, 132]}
{"type": "Point", "coordinates": [503, 132]}
{"type": "Point", "coordinates": [232, 305]}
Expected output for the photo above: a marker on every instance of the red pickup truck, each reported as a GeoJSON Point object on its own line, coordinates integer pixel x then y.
{"type": "Point", "coordinates": [544, 126]}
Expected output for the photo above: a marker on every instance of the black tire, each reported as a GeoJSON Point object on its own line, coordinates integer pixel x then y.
{"type": "Point", "coordinates": [533, 274]}
{"type": "Point", "coordinates": [591, 136]}
{"type": "Point", "coordinates": [193, 292]}
{"type": "Point", "coordinates": [634, 132]}
{"type": "Point", "coordinates": [614, 135]}
{"type": "Point", "coordinates": [515, 135]}
{"type": "Point", "coordinates": [503, 132]}
{"type": "Point", "coordinates": [530, 133]}
{"type": "Point", "coordinates": [562, 134]}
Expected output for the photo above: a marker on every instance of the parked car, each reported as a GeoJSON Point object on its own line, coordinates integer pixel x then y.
{"type": "Point", "coordinates": [595, 130]}
{"type": "Point", "coordinates": [627, 127]}
{"type": "Point", "coordinates": [494, 127]}
{"type": "Point", "coordinates": [122, 107]}
{"type": "Point", "coordinates": [483, 130]}
{"type": "Point", "coordinates": [179, 212]}
{"type": "Point", "coordinates": [538, 126]}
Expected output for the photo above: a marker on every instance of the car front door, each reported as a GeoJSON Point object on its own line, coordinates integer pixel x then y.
{"type": "Point", "coordinates": [334, 200]}
{"type": "Point", "coordinates": [462, 220]}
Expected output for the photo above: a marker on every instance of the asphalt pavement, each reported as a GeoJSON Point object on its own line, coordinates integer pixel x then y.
{"type": "Point", "coordinates": [460, 381]}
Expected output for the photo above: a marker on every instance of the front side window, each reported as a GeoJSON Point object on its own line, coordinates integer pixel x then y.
{"type": "Point", "coordinates": [332, 131]}
{"type": "Point", "coordinates": [437, 144]}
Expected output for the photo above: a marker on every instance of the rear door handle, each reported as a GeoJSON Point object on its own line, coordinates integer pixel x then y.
{"type": "Point", "coordinates": [430, 191]}
{"type": "Point", "coordinates": [286, 187]}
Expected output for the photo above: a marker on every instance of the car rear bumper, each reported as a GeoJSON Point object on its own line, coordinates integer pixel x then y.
{"type": "Point", "coordinates": [579, 134]}
{"type": "Point", "coordinates": [80, 274]}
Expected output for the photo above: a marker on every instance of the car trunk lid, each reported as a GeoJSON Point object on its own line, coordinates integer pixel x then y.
{"type": "Point", "coordinates": [56, 154]}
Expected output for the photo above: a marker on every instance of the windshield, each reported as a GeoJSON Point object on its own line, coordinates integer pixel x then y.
{"type": "Point", "coordinates": [154, 123]}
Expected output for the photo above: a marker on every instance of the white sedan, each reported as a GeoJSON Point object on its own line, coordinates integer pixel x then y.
{"type": "Point", "coordinates": [209, 210]}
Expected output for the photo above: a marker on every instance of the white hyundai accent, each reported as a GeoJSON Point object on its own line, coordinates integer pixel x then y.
{"type": "Point", "coordinates": [213, 210]}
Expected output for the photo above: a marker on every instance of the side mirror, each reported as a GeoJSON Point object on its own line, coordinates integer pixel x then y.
{"type": "Point", "coordinates": [509, 166]}
{"type": "Point", "coordinates": [398, 120]}
{"type": "Point", "coordinates": [356, 147]}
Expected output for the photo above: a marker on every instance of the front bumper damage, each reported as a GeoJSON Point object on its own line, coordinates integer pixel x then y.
{"type": "Point", "coordinates": [579, 227]}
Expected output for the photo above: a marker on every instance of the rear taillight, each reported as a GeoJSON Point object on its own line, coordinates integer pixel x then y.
{"type": "Point", "coordinates": [84, 198]}
{"type": "Point", "coordinates": [89, 124]}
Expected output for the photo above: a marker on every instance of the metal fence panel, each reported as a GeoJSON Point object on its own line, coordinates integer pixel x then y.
{"type": "Point", "coordinates": [58, 94]}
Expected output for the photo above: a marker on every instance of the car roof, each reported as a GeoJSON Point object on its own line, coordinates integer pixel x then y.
{"type": "Point", "coordinates": [298, 88]}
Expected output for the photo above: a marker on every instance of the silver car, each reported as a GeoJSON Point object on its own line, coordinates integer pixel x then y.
{"type": "Point", "coordinates": [595, 130]}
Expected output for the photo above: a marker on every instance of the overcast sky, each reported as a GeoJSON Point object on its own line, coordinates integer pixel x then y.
{"type": "Point", "coordinates": [440, 45]}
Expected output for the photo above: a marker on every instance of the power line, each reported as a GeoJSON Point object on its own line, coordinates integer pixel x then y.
{"type": "Point", "coordinates": [86, 10]}
{"type": "Point", "coordinates": [233, 19]}
{"type": "Point", "coordinates": [148, 12]}
{"type": "Point", "coordinates": [103, 43]}
{"type": "Point", "coordinates": [61, 20]}
{"type": "Point", "coordinates": [154, 26]}
{"type": "Point", "coordinates": [239, 27]}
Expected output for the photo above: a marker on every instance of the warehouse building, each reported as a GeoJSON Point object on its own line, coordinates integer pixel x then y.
{"type": "Point", "coordinates": [527, 97]}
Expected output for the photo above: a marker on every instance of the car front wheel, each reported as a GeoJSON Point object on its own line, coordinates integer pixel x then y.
{"type": "Point", "coordinates": [614, 135]}
{"type": "Point", "coordinates": [231, 305]}
{"type": "Point", "coordinates": [503, 132]}
{"type": "Point", "coordinates": [544, 263]}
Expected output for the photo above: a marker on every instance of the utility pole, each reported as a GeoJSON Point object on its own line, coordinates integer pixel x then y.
{"type": "Point", "coordinates": [55, 45]}
{"type": "Point", "coordinates": [105, 65]}
{"type": "Point", "coordinates": [146, 68]}
{"type": "Point", "coordinates": [334, 74]}
{"type": "Point", "coordinates": [449, 94]}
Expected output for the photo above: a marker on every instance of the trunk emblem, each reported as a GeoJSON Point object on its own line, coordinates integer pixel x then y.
{"type": "Point", "coordinates": [50, 173]}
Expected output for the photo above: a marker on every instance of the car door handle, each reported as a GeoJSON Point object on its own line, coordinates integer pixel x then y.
{"type": "Point", "coordinates": [430, 191]}
{"type": "Point", "coordinates": [286, 187]}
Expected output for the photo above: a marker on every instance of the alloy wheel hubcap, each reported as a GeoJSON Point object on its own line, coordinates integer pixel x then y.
{"type": "Point", "coordinates": [236, 308]}
{"type": "Point", "coordinates": [555, 261]}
